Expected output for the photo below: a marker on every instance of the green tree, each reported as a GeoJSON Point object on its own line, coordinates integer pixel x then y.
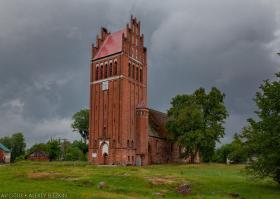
{"type": "Point", "coordinates": [238, 152]}
{"type": "Point", "coordinates": [81, 145]}
{"type": "Point", "coordinates": [16, 144]}
{"type": "Point", "coordinates": [222, 153]}
{"type": "Point", "coordinates": [74, 153]}
{"type": "Point", "coordinates": [6, 141]}
{"type": "Point", "coordinates": [196, 121]}
{"type": "Point", "coordinates": [81, 123]}
{"type": "Point", "coordinates": [54, 150]}
{"type": "Point", "coordinates": [262, 136]}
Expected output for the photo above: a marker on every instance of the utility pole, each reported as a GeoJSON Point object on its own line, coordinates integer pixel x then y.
{"type": "Point", "coordinates": [63, 148]}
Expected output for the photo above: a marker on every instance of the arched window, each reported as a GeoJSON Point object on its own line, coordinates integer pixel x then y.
{"type": "Point", "coordinates": [106, 71]}
{"type": "Point", "coordinates": [133, 71]}
{"type": "Point", "coordinates": [129, 70]}
{"type": "Point", "coordinates": [137, 73]}
{"type": "Point", "coordinates": [96, 73]}
{"type": "Point", "coordinates": [141, 75]}
{"type": "Point", "coordinates": [115, 68]}
{"type": "Point", "coordinates": [111, 69]}
{"type": "Point", "coordinates": [127, 143]}
{"type": "Point", "coordinates": [132, 144]}
{"type": "Point", "coordinates": [101, 72]}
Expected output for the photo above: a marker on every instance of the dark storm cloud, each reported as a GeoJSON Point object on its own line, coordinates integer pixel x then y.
{"type": "Point", "coordinates": [45, 50]}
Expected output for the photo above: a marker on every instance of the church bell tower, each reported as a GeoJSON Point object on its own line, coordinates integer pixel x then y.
{"type": "Point", "coordinates": [118, 121]}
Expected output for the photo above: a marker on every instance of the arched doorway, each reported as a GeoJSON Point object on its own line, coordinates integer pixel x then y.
{"type": "Point", "coordinates": [105, 152]}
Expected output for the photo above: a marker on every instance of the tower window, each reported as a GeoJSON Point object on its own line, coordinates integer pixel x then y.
{"type": "Point", "coordinates": [141, 75]}
{"type": "Point", "coordinates": [101, 72]}
{"type": "Point", "coordinates": [106, 71]}
{"type": "Point", "coordinates": [104, 131]}
{"type": "Point", "coordinates": [115, 68]}
{"type": "Point", "coordinates": [133, 70]}
{"type": "Point", "coordinates": [129, 70]}
{"type": "Point", "coordinates": [127, 143]}
{"type": "Point", "coordinates": [96, 73]}
{"type": "Point", "coordinates": [111, 69]}
{"type": "Point", "coordinates": [137, 73]}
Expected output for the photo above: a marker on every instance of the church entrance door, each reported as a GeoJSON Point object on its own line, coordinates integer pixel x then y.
{"type": "Point", "coordinates": [105, 158]}
{"type": "Point", "coordinates": [105, 152]}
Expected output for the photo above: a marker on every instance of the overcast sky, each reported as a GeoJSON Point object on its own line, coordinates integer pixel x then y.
{"type": "Point", "coordinates": [45, 54]}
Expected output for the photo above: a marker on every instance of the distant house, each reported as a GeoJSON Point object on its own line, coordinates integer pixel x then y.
{"type": "Point", "coordinates": [38, 155]}
{"type": "Point", "coordinates": [5, 154]}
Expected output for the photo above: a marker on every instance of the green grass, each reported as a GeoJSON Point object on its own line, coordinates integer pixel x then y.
{"type": "Point", "coordinates": [80, 180]}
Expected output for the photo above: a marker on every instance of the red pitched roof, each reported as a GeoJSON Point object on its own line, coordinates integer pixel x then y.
{"type": "Point", "coordinates": [111, 45]}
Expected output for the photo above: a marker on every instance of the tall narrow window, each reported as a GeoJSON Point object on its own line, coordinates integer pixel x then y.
{"type": "Point", "coordinates": [137, 73]}
{"type": "Point", "coordinates": [115, 68]}
{"type": "Point", "coordinates": [111, 69]}
{"type": "Point", "coordinates": [101, 72]}
{"type": "Point", "coordinates": [133, 70]}
{"type": "Point", "coordinates": [114, 143]}
{"type": "Point", "coordinates": [96, 73]}
{"type": "Point", "coordinates": [129, 70]}
{"type": "Point", "coordinates": [141, 75]}
{"type": "Point", "coordinates": [106, 71]}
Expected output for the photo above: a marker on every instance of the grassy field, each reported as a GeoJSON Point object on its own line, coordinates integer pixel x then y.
{"type": "Point", "coordinates": [80, 180]}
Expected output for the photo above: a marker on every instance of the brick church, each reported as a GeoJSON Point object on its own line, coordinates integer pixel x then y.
{"type": "Point", "coordinates": [123, 130]}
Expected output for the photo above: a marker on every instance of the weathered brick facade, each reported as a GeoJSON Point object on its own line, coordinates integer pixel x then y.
{"type": "Point", "coordinates": [122, 129]}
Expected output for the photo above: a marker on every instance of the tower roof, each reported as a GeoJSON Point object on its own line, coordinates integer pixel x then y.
{"type": "Point", "coordinates": [111, 45]}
